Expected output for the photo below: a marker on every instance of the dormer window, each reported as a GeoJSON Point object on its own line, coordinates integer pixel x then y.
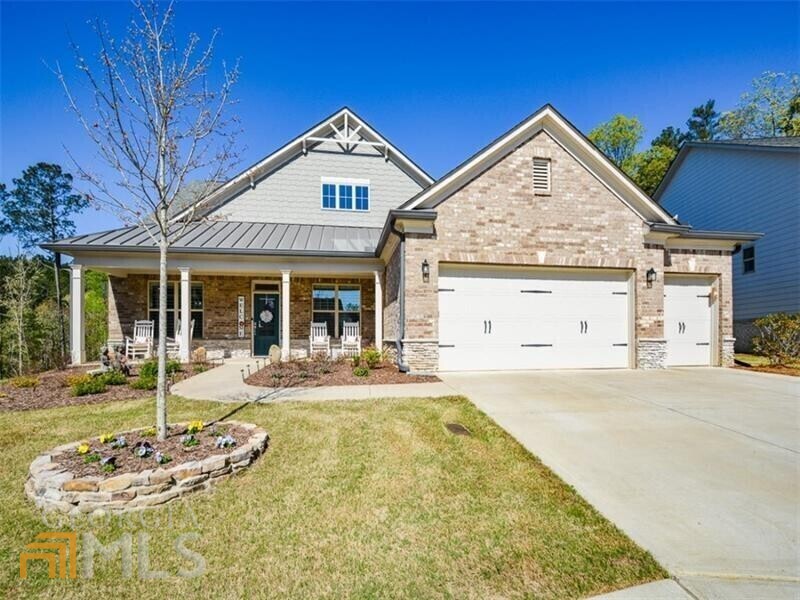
{"type": "Point", "coordinates": [345, 194]}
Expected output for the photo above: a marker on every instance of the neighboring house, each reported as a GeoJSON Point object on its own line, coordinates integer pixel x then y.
{"type": "Point", "coordinates": [536, 252]}
{"type": "Point", "coordinates": [751, 185]}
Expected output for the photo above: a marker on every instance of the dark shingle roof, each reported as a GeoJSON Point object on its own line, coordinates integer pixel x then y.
{"type": "Point", "coordinates": [773, 142]}
{"type": "Point", "coordinates": [236, 237]}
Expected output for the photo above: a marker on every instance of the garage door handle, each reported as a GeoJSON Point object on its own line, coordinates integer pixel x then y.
{"type": "Point", "coordinates": [536, 345]}
{"type": "Point", "coordinates": [702, 343]}
{"type": "Point", "coordinates": [490, 326]}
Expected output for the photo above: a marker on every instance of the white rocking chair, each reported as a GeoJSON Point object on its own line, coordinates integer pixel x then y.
{"type": "Point", "coordinates": [174, 344]}
{"type": "Point", "coordinates": [141, 344]}
{"type": "Point", "coordinates": [351, 339]}
{"type": "Point", "coordinates": [319, 341]}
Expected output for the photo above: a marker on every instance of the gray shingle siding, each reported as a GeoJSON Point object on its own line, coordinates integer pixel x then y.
{"type": "Point", "coordinates": [747, 190]}
{"type": "Point", "coordinates": [292, 193]}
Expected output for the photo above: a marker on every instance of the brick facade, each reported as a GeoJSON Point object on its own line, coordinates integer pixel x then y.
{"type": "Point", "coordinates": [127, 302]}
{"type": "Point", "coordinates": [497, 219]}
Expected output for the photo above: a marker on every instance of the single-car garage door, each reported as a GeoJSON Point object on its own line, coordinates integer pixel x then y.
{"type": "Point", "coordinates": [494, 318]}
{"type": "Point", "coordinates": [688, 309]}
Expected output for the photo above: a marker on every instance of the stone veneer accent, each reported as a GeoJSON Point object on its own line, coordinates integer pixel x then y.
{"type": "Point", "coordinates": [422, 356]}
{"type": "Point", "coordinates": [651, 353]}
{"type": "Point", "coordinates": [54, 489]}
{"type": "Point", "coordinates": [728, 345]}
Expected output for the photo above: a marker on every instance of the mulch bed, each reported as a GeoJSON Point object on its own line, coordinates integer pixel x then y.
{"type": "Point", "coordinates": [126, 461]}
{"type": "Point", "coordinates": [53, 390]}
{"type": "Point", "coordinates": [778, 369]}
{"type": "Point", "coordinates": [317, 373]}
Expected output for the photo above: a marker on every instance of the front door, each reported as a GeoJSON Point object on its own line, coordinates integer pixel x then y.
{"type": "Point", "coordinates": [266, 322]}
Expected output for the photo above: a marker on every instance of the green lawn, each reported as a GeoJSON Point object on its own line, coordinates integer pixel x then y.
{"type": "Point", "coordinates": [352, 499]}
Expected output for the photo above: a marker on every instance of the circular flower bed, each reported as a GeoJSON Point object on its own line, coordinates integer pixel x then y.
{"type": "Point", "coordinates": [133, 470]}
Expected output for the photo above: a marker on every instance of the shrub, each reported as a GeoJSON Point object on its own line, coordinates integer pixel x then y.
{"type": "Point", "coordinates": [149, 368]}
{"type": "Point", "coordinates": [356, 360]}
{"type": "Point", "coordinates": [144, 383]}
{"type": "Point", "coordinates": [361, 371]}
{"type": "Point", "coordinates": [22, 381]}
{"type": "Point", "coordinates": [200, 368]}
{"type": "Point", "coordinates": [85, 385]}
{"type": "Point", "coordinates": [106, 438]}
{"type": "Point", "coordinates": [371, 357]}
{"type": "Point", "coordinates": [779, 341]}
{"type": "Point", "coordinates": [149, 432]}
{"type": "Point", "coordinates": [114, 378]}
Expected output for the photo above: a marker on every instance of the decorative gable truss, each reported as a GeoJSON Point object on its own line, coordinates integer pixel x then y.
{"type": "Point", "coordinates": [344, 129]}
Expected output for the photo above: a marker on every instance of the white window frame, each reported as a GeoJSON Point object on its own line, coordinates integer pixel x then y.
{"type": "Point", "coordinates": [336, 334]}
{"type": "Point", "coordinates": [176, 285]}
{"type": "Point", "coordinates": [336, 182]}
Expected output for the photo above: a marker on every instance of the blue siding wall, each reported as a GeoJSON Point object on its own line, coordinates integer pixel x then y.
{"type": "Point", "coordinates": [747, 190]}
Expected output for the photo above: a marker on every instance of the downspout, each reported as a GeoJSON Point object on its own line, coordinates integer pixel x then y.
{"type": "Point", "coordinates": [401, 301]}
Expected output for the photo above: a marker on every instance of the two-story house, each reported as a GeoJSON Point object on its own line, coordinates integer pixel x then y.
{"type": "Point", "coordinates": [536, 252]}
{"type": "Point", "coordinates": [752, 185]}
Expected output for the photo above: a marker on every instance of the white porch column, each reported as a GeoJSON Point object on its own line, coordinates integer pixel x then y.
{"type": "Point", "coordinates": [378, 312]}
{"type": "Point", "coordinates": [76, 325]}
{"type": "Point", "coordinates": [186, 315]}
{"type": "Point", "coordinates": [286, 333]}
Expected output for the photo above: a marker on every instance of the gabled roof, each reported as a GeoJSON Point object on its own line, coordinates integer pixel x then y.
{"type": "Point", "coordinates": [236, 237]}
{"type": "Point", "coordinates": [771, 144]}
{"type": "Point", "coordinates": [343, 119]}
{"type": "Point", "coordinates": [573, 141]}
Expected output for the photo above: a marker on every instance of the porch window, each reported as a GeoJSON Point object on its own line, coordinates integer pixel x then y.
{"type": "Point", "coordinates": [336, 304]}
{"type": "Point", "coordinates": [196, 306]}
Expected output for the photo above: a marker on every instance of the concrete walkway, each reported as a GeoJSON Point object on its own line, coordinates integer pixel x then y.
{"type": "Point", "coordinates": [699, 466]}
{"type": "Point", "coordinates": [224, 384]}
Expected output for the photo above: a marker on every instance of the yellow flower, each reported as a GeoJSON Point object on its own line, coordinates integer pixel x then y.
{"type": "Point", "coordinates": [106, 437]}
{"type": "Point", "coordinates": [194, 426]}
{"type": "Point", "coordinates": [83, 449]}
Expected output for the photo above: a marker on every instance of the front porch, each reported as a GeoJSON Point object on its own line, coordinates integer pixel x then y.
{"type": "Point", "coordinates": [239, 315]}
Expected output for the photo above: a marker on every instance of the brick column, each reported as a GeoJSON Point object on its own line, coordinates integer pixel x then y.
{"type": "Point", "coordinates": [76, 326]}
{"type": "Point", "coordinates": [286, 333]}
{"type": "Point", "coordinates": [186, 315]}
{"type": "Point", "coordinates": [378, 312]}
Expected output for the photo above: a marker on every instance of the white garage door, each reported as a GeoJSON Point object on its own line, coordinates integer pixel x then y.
{"type": "Point", "coordinates": [687, 320]}
{"type": "Point", "coordinates": [505, 318]}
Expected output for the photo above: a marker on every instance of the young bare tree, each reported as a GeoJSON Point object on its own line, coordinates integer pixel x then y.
{"type": "Point", "coordinates": [158, 123]}
{"type": "Point", "coordinates": [16, 302]}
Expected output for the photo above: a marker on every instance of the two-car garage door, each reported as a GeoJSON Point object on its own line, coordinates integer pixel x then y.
{"type": "Point", "coordinates": [506, 318]}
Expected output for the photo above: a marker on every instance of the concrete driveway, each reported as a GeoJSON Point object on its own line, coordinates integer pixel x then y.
{"type": "Point", "coordinates": [699, 466]}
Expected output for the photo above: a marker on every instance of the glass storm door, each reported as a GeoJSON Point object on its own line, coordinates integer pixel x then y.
{"type": "Point", "coordinates": [266, 322]}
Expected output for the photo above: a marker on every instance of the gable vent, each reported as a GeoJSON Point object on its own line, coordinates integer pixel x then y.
{"type": "Point", "coordinates": [541, 175]}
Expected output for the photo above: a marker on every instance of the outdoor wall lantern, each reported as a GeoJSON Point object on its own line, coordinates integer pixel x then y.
{"type": "Point", "coordinates": [426, 271]}
{"type": "Point", "coordinates": [651, 276]}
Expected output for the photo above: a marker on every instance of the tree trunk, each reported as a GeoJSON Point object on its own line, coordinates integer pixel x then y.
{"type": "Point", "coordinates": [161, 389]}
{"type": "Point", "coordinates": [62, 329]}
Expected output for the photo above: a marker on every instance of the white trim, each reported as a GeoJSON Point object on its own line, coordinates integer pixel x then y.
{"type": "Point", "coordinates": [286, 333]}
{"type": "Point", "coordinates": [77, 327]}
{"type": "Point", "coordinates": [548, 119]}
{"type": "Point", "coordinates": [354, 181]}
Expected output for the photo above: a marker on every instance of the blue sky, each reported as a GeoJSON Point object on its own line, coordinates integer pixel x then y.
{"type": "Point", "coordinates": [440, 80]}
